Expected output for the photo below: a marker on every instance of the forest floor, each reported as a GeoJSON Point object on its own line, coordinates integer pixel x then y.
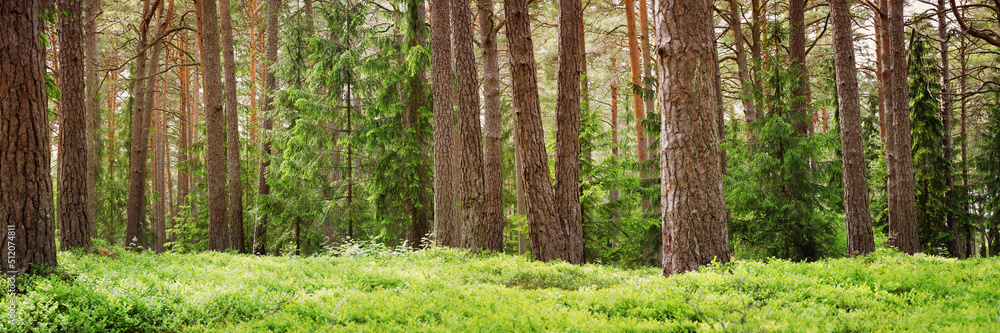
{"type": "Point", "coordinates": [446, 290]}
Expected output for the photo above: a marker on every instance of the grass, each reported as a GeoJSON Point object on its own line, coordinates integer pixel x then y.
{"type": "Point", "coordinates": [446, 290]}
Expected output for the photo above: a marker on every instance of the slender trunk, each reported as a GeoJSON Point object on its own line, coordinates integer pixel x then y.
{"type": "Point", "coordinates": [879, 71]}
{"type": "Point", "coordinates": [91, 9]}
{"type": "Point", "coordinates": [746, 86]}
{"type": "Point", "coordinates": [614, 140]}
{"type": "Point", "coordinates": [860, 239]}
{"type": "Point", "coordinates": [72, 206]}
{"type": "Point", "coordinates": [690, 152]}
{"type": "Point", "coordinates": [447, 230]}
{"type": "Point", "coordinates": [522, 240]}
{"type": "Point", "coordinates": [902, 206]}
{"type": "Point", "coordinates": [270, 87]}
{"type": "Point", "coordinates": [547, 237]}
{"type": "Point", "coordinates": [958, 245]}
{"type": "Point", "coordinates": [415, 100]}
{"type": "Point", "coordinates": [159, 207]}
{"type": "Point", "coordinates": [25, 181]}
{"type": "Point", "coordinates": [567, 186]}
{"type": "Point", "coordinates": [183, 135]}
{"type": "Point", "coordinates": [759, 20]}
{"type": "Point", "coordinates": [493, 157]}
{"type": "Point", "coordinates": [637, 101]}
{"type": "Point", "coordinates": [800, 73]}
{"type": "Point", "coordinates": [136, 202]}
{"type": "Point", "coordinates": [235, 209]}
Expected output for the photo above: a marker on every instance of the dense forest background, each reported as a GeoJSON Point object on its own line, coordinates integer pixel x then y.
{"type": "Point", "coordinates": [331, 121]}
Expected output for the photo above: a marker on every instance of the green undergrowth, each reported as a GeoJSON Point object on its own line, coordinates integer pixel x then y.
{"type": "Point", "coordinates": [447, 290]}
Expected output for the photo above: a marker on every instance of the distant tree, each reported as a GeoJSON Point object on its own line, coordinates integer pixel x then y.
{"type": "Point", "coordinates": [270, 86]}
{"type": "Point", "coordinates": [25, 181]}
{"type": "Point", "coordinates": [694, 211]}
{"type": "Point", "coordinates": [797, 55]}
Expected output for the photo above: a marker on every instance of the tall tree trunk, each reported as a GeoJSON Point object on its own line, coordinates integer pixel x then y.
{"type": "Point", "coordinates": [759, 21]}
{"type": "Point", "coordinates": [637, 102]}
{"type": "Point", "coordinates": [25, 157]}
{"type": "Point", "coordinates": [879, 63]}
{"type": "Point", "coordinates": [958, 244]}
{"type": "Point", "coordinates": [270, 86]}
{"type": "Point", "coordinates": [690, 151]}
{"type": "Point", "coordinates": [963, 61]}
{"type": "Point", "coordinates": [567, 187]}
{"type": "Point", "coordinates": [235, 209]}
{"type": "Point", "coordinates": [136, 202]}
{"type": "Point", "coordinates": [159, 208]}
{"type": "Point", "coordinates": [74, 217]}
{"type": "Point", "coordinates": [215, 149]}
{"type": "Point", "coordinates": [860, 239]}
{"type": "Point", "coordinates": [469, 132]}
{"type": "Point", "coordinates": [614, 140]}
{"type": "Point", "coordinates": [800, 73]}
{"type": "Point", "coordinates": [183, 135]}
{"type": "Point", "coordinates": [647, 85]}
{"type": "Point", "coordinates": [902, 205]}
{"type": "Point", "coordinates": [447, 229]}
{"type": "Point", "coordinates": [548, 238]}
{"type": "Point", "coordinates": [493, 157]}
{"type": "Point", "coordinates": [417, 99]}
{"type": "Point", "coordinates": [746, 86]}
{"type": "Point", "coordinates": [91, 9]}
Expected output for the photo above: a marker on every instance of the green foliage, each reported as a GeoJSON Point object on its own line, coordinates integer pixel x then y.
{"type": "Point", "coordinates": [929, 164]}
{"type": "Point", "coordinates": [987, 162]}
{"type": "Point", "coordinates": [778, 187]}
{"type": "Point", "coordinates": [368, 287]}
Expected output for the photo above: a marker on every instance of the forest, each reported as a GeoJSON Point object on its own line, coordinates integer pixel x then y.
{"type": "Point", "coordinates": [515, 165]}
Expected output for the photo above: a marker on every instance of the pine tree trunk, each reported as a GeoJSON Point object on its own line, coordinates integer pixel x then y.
{"type": "Point", "coordinates": [215, 149]}
{"type": "Point", "coordinates": [759, 21]}
{"type": "Point", "coordinates": [902, 205]}
{"type": "Point", "coordinates": [415, 100]}
{"type": "Point", "coordinates": [797, 53]}
{"type": "Point", "coordinates": [548, 239]}
{"type": "Point", "coordinates": [447, 227]}
{"type": "Point", "coordinates": [879, 76]}
{"type": "Point", "coordinates": [136, 202]}
{"type": "Point", "coordinates": [183, 133]}
{"type": "Point", "coordinates": [74, 217]}
{"type": "Point", "coordinates": [860, 239]}
{"type": "Point", "coordinates": [567, 187]}
{"type": "Point", "coordinates": [470, 133]}
{"type": "Point", "coordinates": [958, 244]}
{"type": "Point", "coordinates": [235, 209]}
{"type": "Point", "coordinates": [91, 9]}
{"type": "Point", "coordinates": [270, 86]}
{"type": "Point", "coordinates": [637, 102]}
{"type": "Point", "coordinates": [690, 150]}
{"type": "Point", "coordinates": [493, 157]}
{"type": "Point", "coordinates": [746, 86]}
{"type": "Point", "coordinates": [159, 208]}
{"type": "Point", "coordinates": [25, 182]}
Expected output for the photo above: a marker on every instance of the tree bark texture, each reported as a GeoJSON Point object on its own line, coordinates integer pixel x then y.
{"type": "Point", "coordinates": [270, 86]}
{"type": "Point", "coordinates": [746, 86]}
{"type": "Point", "coordinates": [694, 210]}
{"type": "Point", "coordinates": [136, 202]}
{"type": "Point", "coordinates": [25, 155]}
{"type": "Point", "coordinates": [902, 205]}
{"type": "Point", "coordinates": [548, 238]}
{"type": "Point", "coordinates": [71, 206]}
{"type": "Point", "coordinates": [447, 229]}
{"type": "Point", "coordinates": [860, 239]}
{"type": "Point", "coordinates": [158, 176]}
{"type": "Point", "coordinates": [235, 209]}
{"type": "Point", "coordinates": [215, 149]}
{"type": "Point", "coordinates": [91, 9]}
{"type": "Point", "coordinates": [567, 187]}
{"type": "Point", "coordinates": [800, 73]}
{"type": "Point", "coordinates": [635, 63]}
{"type": "Point", "coordinates": [469, 131]}
{"type": "Point", "coordinates": [493, 157]}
